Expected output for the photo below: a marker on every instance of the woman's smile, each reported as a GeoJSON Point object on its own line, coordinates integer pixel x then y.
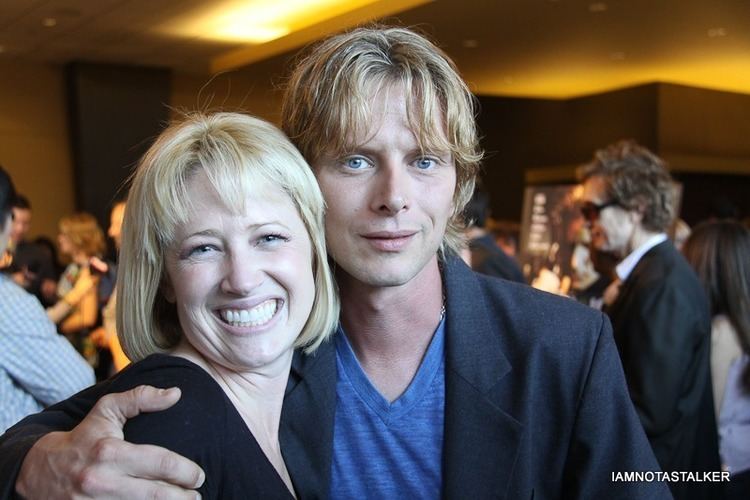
{"type": "Point", "coordinates": [257, 316]}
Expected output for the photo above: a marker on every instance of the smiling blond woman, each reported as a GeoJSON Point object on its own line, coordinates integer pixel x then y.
{"type": "Point", "coordinates": [223, 272]}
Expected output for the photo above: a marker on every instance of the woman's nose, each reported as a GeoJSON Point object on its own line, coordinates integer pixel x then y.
{"type": "Point", "coordinates": [242, 275]}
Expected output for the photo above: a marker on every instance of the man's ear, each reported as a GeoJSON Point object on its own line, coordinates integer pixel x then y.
{"type": "Point", "coordinates": [638, 210]}
{"type": "Point", "coordinates": [636, 214]}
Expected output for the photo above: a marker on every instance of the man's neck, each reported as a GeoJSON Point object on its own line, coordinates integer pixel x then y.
{"type": "Point", "coordinates": [390, 328]}
{"type": "Point", "coordinates": [639, 238]}
{"type": "Point", "coordinates": [641, 242]}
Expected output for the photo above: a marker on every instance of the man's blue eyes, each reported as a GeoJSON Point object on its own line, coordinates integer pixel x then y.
{"type": "Point", "coordinates": [425, 163]}
{"type": "Point", "coordinates": [357, 163]}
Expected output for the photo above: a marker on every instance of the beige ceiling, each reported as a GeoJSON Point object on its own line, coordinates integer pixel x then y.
{"type": "Point", "coordinates": [543, 48]}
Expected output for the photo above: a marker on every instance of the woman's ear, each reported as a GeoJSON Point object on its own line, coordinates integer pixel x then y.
{"type": "Point", "coordinates": [167, 289]}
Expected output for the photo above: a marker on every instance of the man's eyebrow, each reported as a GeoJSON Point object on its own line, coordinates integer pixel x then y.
{"type": "Point", "coordinates": [437, 151]}
{"type": "Point", "coordinates": [362, 148]}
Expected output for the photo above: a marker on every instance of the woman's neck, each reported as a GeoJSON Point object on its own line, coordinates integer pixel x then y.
{"type": "Point", "coordinates": [81, 259]}
{"type": "Point", "coordinates": [256, 395]}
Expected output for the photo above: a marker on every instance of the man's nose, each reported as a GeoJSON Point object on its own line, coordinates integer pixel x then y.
{"type": "Point", "coordinates": [392, 195]}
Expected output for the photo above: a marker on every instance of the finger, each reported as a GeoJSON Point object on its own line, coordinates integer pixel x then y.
{"type": "Point", "coordinates": [121, 406]}
{"type": "Point", "coordinates": [149, 490]}
{"type": "Point", "coordinates": [134, 488]}
{"type": "Point", "coordinates": [146, 461]}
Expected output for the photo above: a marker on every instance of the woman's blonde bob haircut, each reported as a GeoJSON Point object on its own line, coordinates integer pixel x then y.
{"type": "Point", "coordinates": [328, 102]}
{"type": "Point", "coordinates": [239, 154]}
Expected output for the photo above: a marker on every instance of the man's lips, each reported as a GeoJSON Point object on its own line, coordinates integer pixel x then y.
{"type": "Point", "coordinates": [385, 235]}
{"type": "Point", "coordinates": [389, 241]}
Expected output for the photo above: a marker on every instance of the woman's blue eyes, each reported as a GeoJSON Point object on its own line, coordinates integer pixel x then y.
{"type": "Point", "coordinates": [273, 237]}
{"type": "Point", "coordinates": [201, 249]}
{"type": "Point", "coordinates": [204, 249]}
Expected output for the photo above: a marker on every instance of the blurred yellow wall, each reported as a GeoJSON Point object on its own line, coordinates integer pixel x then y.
{"type": "Point", "coordinates": [34, 145]}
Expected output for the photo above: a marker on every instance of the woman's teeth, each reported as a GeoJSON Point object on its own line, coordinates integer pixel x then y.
{"type": "Point", "coordinates": [258, 315]}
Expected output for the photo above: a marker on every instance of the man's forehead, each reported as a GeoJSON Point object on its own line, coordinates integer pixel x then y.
{"type": "Point", "coordinates": [594, 187]}
{"type": "Point", "coordinates": [21, 212]}
{"type": "Point", "coordinates": [430, 140]}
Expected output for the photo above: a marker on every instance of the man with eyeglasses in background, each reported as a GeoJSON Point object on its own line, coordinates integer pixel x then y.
{"type": "Point", "coordinates": [660, 314]}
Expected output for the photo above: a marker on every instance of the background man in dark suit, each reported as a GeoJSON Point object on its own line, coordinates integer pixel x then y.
{"type": "Point", "coordinates": [661, 316]}
{"type": "Point", "coordinates": [486, 256]}
{"type": "Point", "coordinates": [440, 382]}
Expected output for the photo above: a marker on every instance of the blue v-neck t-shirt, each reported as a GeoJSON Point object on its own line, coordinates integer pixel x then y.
{"type": "Point", "coordinates": [383, 449]}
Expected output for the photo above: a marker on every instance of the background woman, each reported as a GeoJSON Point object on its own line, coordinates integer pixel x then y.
{"type": "Point", "coordinates": [223, 271]}
{"type": "Point", "coordinates": [105, 337]}
{"type": "Point", "coordinates": [77, 309]}
{"type": "Point", "coordinates": [719, 251]}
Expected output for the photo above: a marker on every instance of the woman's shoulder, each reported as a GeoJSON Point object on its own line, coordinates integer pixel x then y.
{"type": "Point", "coordinates": [724, 341]}
{"type": "Point", "coordinates": [201, 426]}
{"type": "Point", "coordinates": [165, 371]}
{"type": "Point", "coordinates": [201, 409]}
{"type": "Point", "coordinates": [195, 426]}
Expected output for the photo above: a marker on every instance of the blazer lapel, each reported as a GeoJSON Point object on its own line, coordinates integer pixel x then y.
{"type": "Point", "coordinates": [628, 291]}
{"type": "Point", "coordinates": [307, 418]}
{"type": "Point", "coordinates": [481, 442]}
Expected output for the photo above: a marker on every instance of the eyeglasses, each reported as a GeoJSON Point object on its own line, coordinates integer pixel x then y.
{"type": "Point", "coordinates": [591, 210]}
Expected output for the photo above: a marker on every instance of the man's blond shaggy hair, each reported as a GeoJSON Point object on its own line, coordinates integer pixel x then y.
{"type": "Point", "coordinates": [328, 101]}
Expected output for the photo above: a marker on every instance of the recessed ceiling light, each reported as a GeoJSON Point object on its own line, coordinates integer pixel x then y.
{"type": "Point", "coordinates": [49, 22]}
{"type": "Point", "coordinates": [597, 7]}
{"type": "Point", "coordinates": [262, 21]}
{"type": "Point", "coordinates": [717, 32]}
{"type": "Point", "coordinates": [470, 44]}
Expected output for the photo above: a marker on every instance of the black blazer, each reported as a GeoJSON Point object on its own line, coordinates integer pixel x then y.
{"type": "Point", "coordinates": [536, 404]}
{"type": "Point", "coordinates": [662, 328]}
